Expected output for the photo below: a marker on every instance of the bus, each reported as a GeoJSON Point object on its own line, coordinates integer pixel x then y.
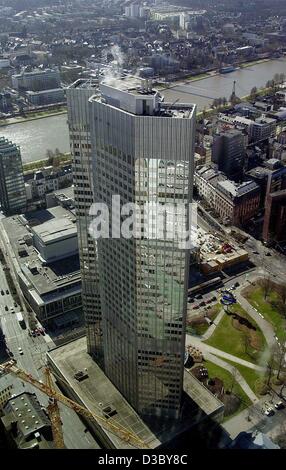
{"type": "Point", "coordinates": [21, 319]}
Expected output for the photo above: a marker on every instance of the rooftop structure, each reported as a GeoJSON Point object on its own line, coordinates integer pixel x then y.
{"type": "Point", "coordinates": [140, 148]}
{"type": "Point", "coordinates": [51, 286]}
{"type": "Point", "coordinates": [98, 394]}
{"type": "Point", "coordinates": [27, 424]}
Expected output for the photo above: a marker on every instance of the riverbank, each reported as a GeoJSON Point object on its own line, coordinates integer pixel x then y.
{"type": "Point", "coordinates": [63, 159]}
{"type": "Point", "coordinates": [34, 117]}
{"type": "Point", "coordinates": [211, 73]}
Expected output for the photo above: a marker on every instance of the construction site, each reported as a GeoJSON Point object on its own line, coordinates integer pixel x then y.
{"type": "Point", "coordinates": [217, 254]}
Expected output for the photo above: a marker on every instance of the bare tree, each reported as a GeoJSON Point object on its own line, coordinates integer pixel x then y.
{"type": "Point", "coordinates": [245, 340]}
{"type": "Point", "coordinates": [234, 377]}
{"type": "Point", "coordinates": [270, 367]}
{"type": "Point", "coordinates": [282, 293]}
{"type": "Point", "coordinates": [279, 356]}
{"type": "Point", "coordinates": [266, 286]}
{"type": "Point", "coordinates": [253, 92]}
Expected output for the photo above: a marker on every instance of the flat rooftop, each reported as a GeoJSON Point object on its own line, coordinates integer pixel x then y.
{"type": "Point", "coordinates": [49, 278]}
{"type": "Point", "coordinates": [97, 392]}
{"type": "Point", "coordinates": [56, 229]}
{"type": "Point", "coordinates": [129, 84]}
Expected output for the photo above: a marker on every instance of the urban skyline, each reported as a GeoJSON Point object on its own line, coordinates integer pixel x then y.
{"type": "Point", "coordinates": [142, 228]}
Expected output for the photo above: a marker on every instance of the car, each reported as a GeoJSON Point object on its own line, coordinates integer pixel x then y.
{"type": "Point", "coordinates": [15, 304]}
{"type": "Point", "coordinates": [191, 300]}
{"type": "Point", "coordinates": [20, 351]}
{"type": "Point", "coordinates": [2, 292]}
{"type": "Point", "coordinates": [208, 301]}
{"type": "Point", "coordinates": [237, 284]}
{"type": "Point", "coordinates": [6, 308]}
{"type": "Point", "coordinates": [198, 296]}
{"type": "Point", "coordinates": [7, 292]}
{"type": "Point", "coordinates": [269, 412]}
{"type": "Point", "coordinates": [268, 253]}
{"type": "Point", "coordinates": [255, 252]}
{"type": "Point", "coordinates": [279, 405]}
{"type": "Point", "coordinates": [202, 304]}
{"type": "Point", "coordinates": [213, 298]}
{"type": "Point", "coordinates": [34, 334]}
{"type": "Point", "coordinates": [195, 307]}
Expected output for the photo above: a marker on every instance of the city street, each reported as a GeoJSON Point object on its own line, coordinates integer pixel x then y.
{"type": "Point", "coordinates": [32, 361]}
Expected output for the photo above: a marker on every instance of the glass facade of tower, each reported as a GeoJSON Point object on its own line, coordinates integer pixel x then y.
{"type": "Point", "coordinates": [144, 157]}
{"type": "Point", "coordinates": [12, 186]}
{"type": "Point", "coordinates": [80, 142]}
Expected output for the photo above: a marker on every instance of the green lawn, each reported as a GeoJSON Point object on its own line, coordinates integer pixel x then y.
{"type": "Point", "coordinates": [201, 328]}
{"type": "Point", "coordinates": [251, 376]}
{"type": "Point", "coordinates": [231, 340]}
{"type": "Point", "coordinates": [256, 298]}
{"type": "Point", "coordinates": [226, 377]}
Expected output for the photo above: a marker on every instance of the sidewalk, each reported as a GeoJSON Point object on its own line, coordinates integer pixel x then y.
{"type": "Point", "coordinates": [264, 325]}
{"type": "Point", "coordinates": [212, 327]}
{"type": "Point", "coordinates": [238, 377]}
{"type": "Point", "coordinates": [205, 348]}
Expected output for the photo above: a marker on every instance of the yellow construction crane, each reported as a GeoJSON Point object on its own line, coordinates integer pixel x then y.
{"type": "Point", "coordinates": [53, 409]}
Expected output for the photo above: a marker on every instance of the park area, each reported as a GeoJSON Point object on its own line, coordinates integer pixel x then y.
{"type": "Point", "coordinates": [198, 325]}
{"type": "Point", "coordinates": [224, 385]}
{"type": "Point", "coordinates": [239, 335]}
{"type": "Point", "coordinates": [269, 299]}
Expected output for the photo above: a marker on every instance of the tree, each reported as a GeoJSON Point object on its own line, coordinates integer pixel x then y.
{"type": "Point", "coordinates": [266, 286]}
{"type": "Point", "coordinates": [282, 293]}
{"type": "Point", "coordinates": [215, 103]}
{"type": "Point", "coordinates": [253, 92]}
{"type": "Point", "coordinates": [270, 367]}
{"type": "Point", "coordinates": [279, 355]}
{"type": "Point", "coordinates": [270, 84]}
{"type": "Point", "coordinates": [50, 157]}
{"type": "Point", "coordinates": [245, 340]}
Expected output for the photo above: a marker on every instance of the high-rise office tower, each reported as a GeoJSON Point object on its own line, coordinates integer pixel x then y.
{"type": "Point", "coordinates": [80, 141]}
{"type": "Point", "coordinates": [142, 150]}
{"type": "Point", "coordinates": [12, 185]}
{"type": "Point", "coordinates": [228, 153]}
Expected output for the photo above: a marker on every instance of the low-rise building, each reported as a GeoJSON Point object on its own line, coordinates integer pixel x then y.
{"type": "Point", "coordinates": [235, 203]}
{"type": "Point", "coordinates": [36, 80]}
{"type": "Point", "coordinates": [26, 424]}
{"type": "Point", "coordinates": [43, 97]}
{"type": "Point", "coordinates": [47, 180]}
{"type": "Point", "coordinates": [51, 286]}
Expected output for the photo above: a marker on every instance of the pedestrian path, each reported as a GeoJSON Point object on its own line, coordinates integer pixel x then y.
{"type": "Point", "coordinates": [235, 372]}
{"type": "Point", "coordinates": [206, 348]}
{"type": "Point", "coordinates": [264, 325]}
{"type": "Point", "coordinates": [212, 327]}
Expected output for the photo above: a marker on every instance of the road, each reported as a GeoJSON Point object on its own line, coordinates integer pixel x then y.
{"type": "Point", "coordinates": [32, 361]}
{"type": "Point", "coordinates": [274, 264]}
{"type": "Point", "coordinates": [253, 419]}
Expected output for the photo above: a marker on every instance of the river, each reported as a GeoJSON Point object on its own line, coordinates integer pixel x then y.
{"type": "Point", "coordinates": [36, 137]}
{"type": "Point", "coordinates": [203, 92]}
